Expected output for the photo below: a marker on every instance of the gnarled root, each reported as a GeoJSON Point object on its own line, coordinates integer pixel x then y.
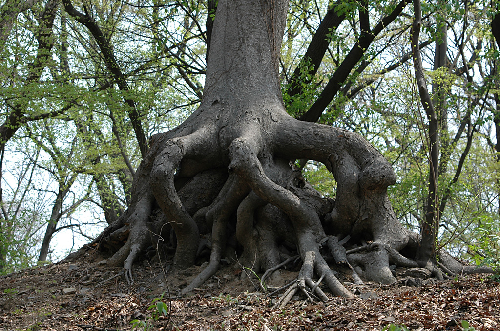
{"type": "Point", "coordinates": [305, 284]}
{"type": "Point", "coordinates": [306, 223]}
{"type": "Point", "coordinates": [138, 238]}
{"type": "Point", "coordinates": [218, 213]}
{"type": "Point", "coordinates": [136, 227]}
{"type": "Point", "coordinates": [163, 171]}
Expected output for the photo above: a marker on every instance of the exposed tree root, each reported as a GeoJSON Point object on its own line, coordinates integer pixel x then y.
{"type": "Point", "coordinates": [305, 284]}
{"type": "Point", "coordinates": [453, 267]}
{"type": "Point", "coordinates": [307, 225]}
{"type": "Point", "coordinates": [270, 207]}
{"type": "Point", "coordinates": [339, 254]}
{"type": "Point", "coordinates": [265, 204]}
{"type": "Point", "coordinates": [218, 214]}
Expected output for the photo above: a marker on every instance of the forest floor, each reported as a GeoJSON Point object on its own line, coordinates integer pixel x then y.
{"type": "Point", "coordinates": [89, 296]}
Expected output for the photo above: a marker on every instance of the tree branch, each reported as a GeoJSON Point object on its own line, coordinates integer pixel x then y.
{"type": "Point", "coordinates": [316, 50]}
{"type": "Point", "coordinates": [351, 93]}
{"type": "Point", "coordinates": [113, 67]}
{"type": "Point", "coordinates": [345, 68]}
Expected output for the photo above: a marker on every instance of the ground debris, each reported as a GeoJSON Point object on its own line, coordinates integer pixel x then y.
{"type": "Point", "coordinates": [35, 298]}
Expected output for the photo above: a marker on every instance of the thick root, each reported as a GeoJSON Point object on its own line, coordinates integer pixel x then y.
{"type": "Point", "coordinates": [218, 214]}
{"type": "Point", "coordinates": [275, 213]}
{"type": "Point", "coordinates": [453, 267]}
{"type": "Point", "coordinates": [372, 261]}
{"type": "Point", "coordinates": [138, 238]}
{"type": "Point", "coordinates": [162, 175]}
{"type": "Point", "coordinates": [167, 163]}
{"type": "Point", "coordinates": [373, 265]}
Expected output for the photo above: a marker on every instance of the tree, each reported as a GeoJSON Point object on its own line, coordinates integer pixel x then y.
{"type": "Point", "coordinates": [240, 146]}
{"type": "Point", "coordinates": [63, 162]}
{"type": "Point", "coordinates": [20, 217]}
{"type": "Point", "coordinates": [19, 115]}
{"type": "Point", "coordinates": [54, 69]}
{"type": "Point", "coordinates": [112, 66]}
{"type": "Point", "coordinates": [465, 102]}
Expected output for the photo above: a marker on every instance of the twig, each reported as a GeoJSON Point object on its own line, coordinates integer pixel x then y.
{"type": "Point", "coordinates": [270, 270]}
{"type": "Point", "coordinates": [282, 288]}
{"type": "Point", "coordinates": [446, 270]}
{"type": "Point", "coordinates": [287, 296]}
{"type": "Point", "coordinates": [358, 249]}
{"type": "Point", "coordinates": [313, 288]}
{"type": "Point", "coordinates": [110, 278]}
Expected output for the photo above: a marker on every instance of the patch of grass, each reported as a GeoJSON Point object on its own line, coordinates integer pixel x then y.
{"type": "Point", "coordinates": [18, 311]}
{"type": "Point", "coordinates": [466, 326]}
{"type": "Point", "coordinates": [35, 327]}
{"type": "Point", "coordinates": [225, 298]}
{"type": "Point", "coordinates": [11, 291]}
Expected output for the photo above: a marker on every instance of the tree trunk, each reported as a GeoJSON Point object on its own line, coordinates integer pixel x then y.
{"type": "Point", "coordinates": [495, 29]}
{"type": "Point", "coordinates": [428, 229]}
{"type": "Point", "coordinates": [51, 225]}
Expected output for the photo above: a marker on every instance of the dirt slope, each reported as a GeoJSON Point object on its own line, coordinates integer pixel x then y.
{"type": "Point", "coordinates": [89, 296]}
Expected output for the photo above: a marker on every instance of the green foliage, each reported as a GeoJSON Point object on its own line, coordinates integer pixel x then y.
{"type": "Point", "coordinates": [347, 8]}
{"type": "Point", "coordinates": [320, 178]}
{"type": "Point", "coordinates": [211, 14]}
{"type": "Point", "coordinates": [158, 309]}
{"type": "Point", "coordinates": [74, 115]}
{"type": "Point", "coordinates": [18, 236]}
{"type": "Point", "coordinates": [15, 249]}
{"type": "Point", "coordinates": [10, 291]}
{"type": "Point", "coordinates": [297, 104]}
{"type": "Point", "coordinates": [486, 245]}
{"type": "Point", "coordinates": [466, 326]}
{"type": "Point", "coordinates": [225, 298]}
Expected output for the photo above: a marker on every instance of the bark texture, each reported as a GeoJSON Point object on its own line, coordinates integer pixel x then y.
{"type": "Point", "coordinates": [225, 177]}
